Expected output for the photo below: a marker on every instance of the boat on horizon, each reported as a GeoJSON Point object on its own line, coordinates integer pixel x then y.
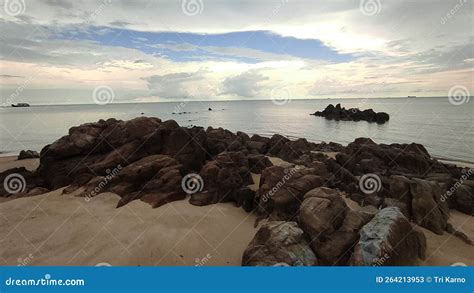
{"type": "Point", "coordinates": [411, 97]}
{"type": "Point", "coordinates": [20, 105]}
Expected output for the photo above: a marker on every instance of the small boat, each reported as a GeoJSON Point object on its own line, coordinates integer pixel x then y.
{"type": "Point", "coordinates": [411, 97]}
{"type": "Point", "coordinates": [21, 105]}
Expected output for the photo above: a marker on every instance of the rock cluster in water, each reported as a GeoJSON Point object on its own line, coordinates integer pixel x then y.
{"type": "Point", "coordinates": [353, 114]}
{"type": "Point", "coordinates": [307, 220]}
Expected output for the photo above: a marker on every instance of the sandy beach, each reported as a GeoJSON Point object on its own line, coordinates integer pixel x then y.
{"type": "Point", "coordinates": [54, 229]}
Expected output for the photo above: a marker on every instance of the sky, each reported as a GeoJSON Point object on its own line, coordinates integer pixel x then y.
{"type": "Point", "coordinates": [63, 52]}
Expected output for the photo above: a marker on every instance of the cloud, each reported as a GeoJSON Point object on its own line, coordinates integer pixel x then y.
{"type": "Point", "coordinates": [238, 49]}
{"type": "Point", "coordinates": [247, 84]}
{"type": "Point", "coordinates": [181, 85]}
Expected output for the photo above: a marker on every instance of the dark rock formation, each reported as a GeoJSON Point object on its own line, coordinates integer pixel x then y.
{"type": "Point", "coordinates": [148, 159]}
{"type": "Point", "coordinates": [225, 179]}
{"type": "Point", "coordinates": [389, 239]}
{"type": "Point", "coordinates": [278, 242]}
{"type": "Point", "coordinates": [282, 189]}
{"type": "Point", "coordinates": [29, 154]}
{"type": "Point", "coordinates": [352, 114]}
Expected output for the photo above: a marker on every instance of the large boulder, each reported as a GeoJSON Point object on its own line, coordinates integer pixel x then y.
{"type": "Point", "coordinates": [336, 248]}
{"type": "Point", "coordinates": [428, 209]}
{"type": "Point", "coordinates": [18, 182]}
{"type": "Point", "coordinates": [220, 140]}
{"type": "Point", "coordinates": [322, 212]}
{"type": "Point", "coordinates": [389, 239]}
{"type": "Point", "coordinates": [94, 148]}
{"type": "Point", "coordinates": [154, 179]}
{"type": "Point", "coordinates": [279, 242]}
{"type": "Point", "coordinates": [282, 189]}
{"type": "Point", "coordinates": [289, 150]}
{"type": "Point", "coordinates": [224, 180]}
{"type": "Point", "coordinates": [29, 154]}
{"type": "Point", "coordinates": [257, 163]}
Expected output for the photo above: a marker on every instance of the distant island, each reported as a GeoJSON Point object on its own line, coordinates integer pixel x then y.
{"type": "Point", "coordinates": [21, 105]}
{"type": "Point", "coordinates": [353, 114]}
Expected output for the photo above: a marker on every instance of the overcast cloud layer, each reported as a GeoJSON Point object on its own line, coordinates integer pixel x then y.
{"type": "Point", "coordinates": [56, 51]}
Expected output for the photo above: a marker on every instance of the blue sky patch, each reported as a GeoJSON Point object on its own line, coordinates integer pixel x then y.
{"type": "Point", "coordinates": [181, 47]}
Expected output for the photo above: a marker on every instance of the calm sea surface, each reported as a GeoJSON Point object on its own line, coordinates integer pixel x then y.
{"type": "Point", "coordinates": [444, 129]}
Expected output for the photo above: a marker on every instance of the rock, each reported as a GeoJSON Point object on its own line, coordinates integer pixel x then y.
{"type": "Point", "coordinates": [97, 147]}
{"type": "Point", "coordinates": [289, 150]}
{"type": "Point", "coordinates": [29, 154]}
{"type": "Point", "coordinates": [257, 163]}
{"type": "Point", "coordinates": [155, 179]}
{"type": "Point", "coordinates": [220, 140]}
{"type": "Point", "coordinates": [389, 239]}
{"type": "Point", "coordinates": [364, 156]}
{"type": "Point", "coordinates": [281, 190]}
{"type": "Point", "coordinates": [18, 182]}
{"type": "Point", "coordinates": [352, 114]}
{"type": "Point", "coordinates": [322, 212]}
{"type": "Point", "coordinates": [279, 242]}
{"type": "Point", "coordinates": [37, 191]}
{"type": "Point", "coordinates": [463, 199]}
{"type": "Point", "coordinates": [224, 178]}
{"type": "Point", "coordinates": [210, 109]}
{"type": "Point", "coordinates": [428, 209]}
{"type": "Point", "coordinates": [399, 189]}
{"type": "Point", "coordinates": [391, 202]}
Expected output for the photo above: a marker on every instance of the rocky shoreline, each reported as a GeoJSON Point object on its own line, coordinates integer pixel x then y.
{"type": "Point", "coordinates": [307, 222]}
{"type": "Point", "coordinates": [353, 114]}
